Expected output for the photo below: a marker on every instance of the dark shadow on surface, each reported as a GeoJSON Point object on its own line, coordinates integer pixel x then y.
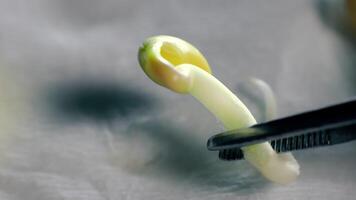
{"type": "Point", "coordinates": [186, 159]}
{"type": "Point", "coordinates": [333, 15]}
{"type": "Point", "coordinates": [181, 158]}
{"type": "Point", "coordinates": [95, 100]}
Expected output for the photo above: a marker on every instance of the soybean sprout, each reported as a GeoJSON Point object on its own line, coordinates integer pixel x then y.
{"type": "Point", "coordinates": [180, 67]}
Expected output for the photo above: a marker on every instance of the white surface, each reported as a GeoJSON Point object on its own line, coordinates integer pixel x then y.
{"type": "Point", "coordinates": [152, 145]}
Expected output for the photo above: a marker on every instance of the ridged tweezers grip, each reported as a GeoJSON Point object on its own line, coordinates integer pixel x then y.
{"type": "Point", "coordinates": [305, 141]}
{"type": "Point", "coordinates": [326, 126]}
{"type": "Point", "coordinates": [319, 138]}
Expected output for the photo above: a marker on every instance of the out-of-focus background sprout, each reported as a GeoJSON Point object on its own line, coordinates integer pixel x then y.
{"type": "Point", "coordinates": [339, 15]}
{"type": "Point", "coordinates": [351, 9]}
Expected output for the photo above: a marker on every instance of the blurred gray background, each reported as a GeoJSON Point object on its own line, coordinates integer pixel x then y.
{"type": "Point", "coordinates": [89, 124]}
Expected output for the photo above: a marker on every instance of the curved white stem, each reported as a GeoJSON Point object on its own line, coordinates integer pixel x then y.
{"type": "Point", "coordinates": [180, 67]}
{"type": "Point", "coordinates": [219, 100]}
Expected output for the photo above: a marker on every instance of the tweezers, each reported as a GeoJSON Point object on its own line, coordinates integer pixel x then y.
{"type": "Point", "coordinates": [330, 125]}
